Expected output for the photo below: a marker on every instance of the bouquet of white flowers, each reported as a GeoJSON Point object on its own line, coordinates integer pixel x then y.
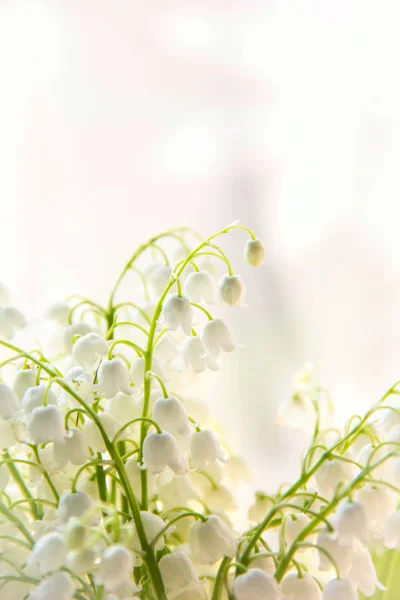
{"type": "Point", "coordinates": [114, 482]}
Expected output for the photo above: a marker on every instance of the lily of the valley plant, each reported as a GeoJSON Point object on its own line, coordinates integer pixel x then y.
{"type": "Point", "coordinates": [115, 484]}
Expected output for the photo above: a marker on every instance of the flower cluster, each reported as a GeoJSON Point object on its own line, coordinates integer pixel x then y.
{"type": "Point", "coordinates": [114, 482]}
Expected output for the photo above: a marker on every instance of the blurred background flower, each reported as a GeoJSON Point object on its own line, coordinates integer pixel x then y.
{"type": "Point", "coordinates": [121, 118]}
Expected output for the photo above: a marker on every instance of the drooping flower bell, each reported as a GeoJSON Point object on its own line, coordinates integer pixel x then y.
{"type": "Point", "coordinates": [161, 450]}
{"type": "Point", "coordinates": [116, 567]}
{"type": "Point", "coordinates": [11, 320]}
{"type": "Point", "coordinates": [170, 414]}
{"type": "Point", "coordinates": [341, 553]}
{"type": "Point", "coordinates": [332, 473]}
{"type": "Point", "coordinates": [211, 540]}
{"type": "Point", "coordinates": [200, 286]}
{"type": "Point", "coordinates": [59, 312]}
{"type": "Point", "coordinates": [58, 585]}
{"type": "Point", "coordinates": [24, 379]}
{"type": "Point", "coordinates": [49, 553]}
{"type": "Point", "coordinates": [352, 523]}
{"type": "Point", "coordinates": [8, 402]}
{"type": "Point", "coordinates": [363, 572]}
{"type": "Point", "coordinates": [158, 279]}
{"type": "Point", "coordinates": [82, 561]}
{"type": "Point", "coordinates": [179, 575]}
{"type": "Point", "coordinates": [256, 585]}
{"type": "Point", "coordinates": [216, 337]}
{"type": "Point", "coordinates": [254, 252]}
{"type": "Point", "coordinates": [205, 449]}
{"type": "Point", "coordinates": [232, 291]}
{"type": "Point", "coordinates": [46, 424]}
{"type": "Point", "coordinates": [113, 377]}
{"type": "Point", "coordinates": [152, 525]}
{"type": "Point", "coordinates": [342, 589]}
{"type": "Point", "coordinates": [73, 448]}
{"type": "Point", "coordinates": [88, 349]}
{"type": "Point", "coordinates": [137, 370]}
{"type": "Point", "coordinates": [71, 331]}
{"type": "Point", "coordinates": [194, 355]}
{"type": "Point", "coordinates": [294, 587]}
{"type": "Point", "coordinates": [34, 397]}
{"type": "Point", "coordinates": [178, 313]}
{"type": "Point", "coordinates": [379, 504]}
{"type": "Point", "coordinates": [73, 504]}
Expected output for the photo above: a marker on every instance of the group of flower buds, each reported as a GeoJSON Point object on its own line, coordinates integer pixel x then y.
{"type": "Point", "coordinates": [115, 483]}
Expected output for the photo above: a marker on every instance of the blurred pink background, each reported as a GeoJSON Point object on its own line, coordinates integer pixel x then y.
{"type": "Point", "coordinates": [121, 118]}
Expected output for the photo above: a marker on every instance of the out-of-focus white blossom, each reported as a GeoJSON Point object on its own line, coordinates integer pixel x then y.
{"type": "Point", "coordinates": [256, 585]}
{"type": "Point", "coordinates": [340, 589]}
{"type": "Point", "coordinates": [254, 252]}
{"type": "Point", "coordinates": [211, 540]}
{"type": "Point", "coordinates": [73, 504]}
{"type": "Point", "coordinates": [137, 370]}
{"type": "Point", "coordinates": [205, 449]}
{"type": "Point", "coordinates": [46, 424]}
{"type": "Point", "coordinates": [195, 357]}
{"type": "Point", "coordinates": [58, 585]}
{"type": "Point", "coordinates": [352, 523]}
{"type": "Point", "coordinates": [8, 402]}
{"type": "Point", "coordinates": [200, 286]}
{"type": "Point", "coordinates": [11, 321]}
{"type": "Point", "coordinates": [24, 379]}
{"type": "Point", "coordinates": [49, 553]}
{"type": "Point", "coordinates": [178, 313]}
{"type": "Point", "coordinates": [59, 312]}
{"type": "Point", "coordinates": [5, 295]}
{"type": "Point", "coordinates": [305, 588]}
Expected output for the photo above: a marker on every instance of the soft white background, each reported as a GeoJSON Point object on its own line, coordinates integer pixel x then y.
{"type": "Point", "coordinates": [119, 118]}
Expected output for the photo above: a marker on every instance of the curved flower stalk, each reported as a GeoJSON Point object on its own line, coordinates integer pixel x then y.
{"type": "Point", "coordinates": [115, 484]}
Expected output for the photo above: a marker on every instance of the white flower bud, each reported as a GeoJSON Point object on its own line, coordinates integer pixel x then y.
{"type": "Point", "coordinates": [8, 402]}
{"type": "Point", "coordinates": [352, 522]}
{"type": "Point", "coordinates": [11, 320]}
{"type": "Point", "coordinates": [297, 588]}
{"type": "Point", "coordinates": [116, 566]}
{"type": "Point", "coordinates": [333, 472]}
{"type": "Point", "coordinates": [24, 379]}
{"type": "Point", "coordinates": [170, 414]}
{"type": "Point", "coordinates": [73, 504]}
{"type": "Point", "coordinates": [137, 370]}
{"type": "Point", "coordinates": [158, 279]}
{"type": "Point", "coordinates": [205, 449]}
{"type": "Point", "coordinates": [195, 357]}
{"type": "Point", "coordinates": [153, 525]}
{"type": "Point", "coordinates": [391, 533]}
{"type": "Point", "coordinates": [71, 331]}
{"type": "Point", "coordinates": [166, 349]}
{"type": "Point", "coordinates": [49, 553]}
{"type": "Point", "coordinates": [178, 574]}
{"type": "Point", "coordinates": [363, 572]}
{"type": "Point", "coordinates": [113, 377]}
{"type": "Point", "coordinates": [33, 398]}
{"type": "Point", "coordinates": [46, 424]}
{"type": "Point", "coordinates": [58, 585]}
{"type": "Point", "coordinates": [92, 433]}
{"type": "Point", "coordinates": [200, 286]}
{"type": "Point", "coordinates": [161, 450]}
{"type": "Point", "coordinates": [254, 252]}
{"type": "Point", "coordinates": [232, 291]}
{"type": "Point", "coordinates": [342, 589]}
{"type": "Point", "coordinates": [211, 540]}
{"type": "Point", "coordinates": [256, 585]}
{"type": "Point", "coordinates": [59, 312]}
{"type": "Point", "coordinates": [5, 296]}
{"type": "Point", "coordinates": [177, 312]}
{"type": "Point", "coordinates": [74, 448]}
{"type": "Point", "coordinates": [216, 336]}
{"type": "Point", "coordinates": [81, 561]}
{"type": "Point", "coordinates": [379, 504]}
{"type": "Point", "coordinates": [88, 349]}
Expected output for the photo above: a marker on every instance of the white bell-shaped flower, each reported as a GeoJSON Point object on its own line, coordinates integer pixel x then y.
{"type": "Point", "coordinates": [216, 337]}
{"type": "Point", "coordinates": [49, 553]}
{"type": "Point", "coordinates": [195, 357]}
{"type": "Point", "coordinates": [205, 449]}
{"type": "Point", "coordinates": [123, 408]}
{"type": "Point", "coordinates": [177, 492]}
{"type": "Point", "coordinates": [152, 525]}
{"type": "Point", "coordinates": [73, 448]}
{"type": "Point", "coordinates": [332, 473]}
{"type": "Point", "coordinates": [8, 402]}
{"type": "Point", "coordinates": [58, 585]}
{"type": "Point", "coordinates": [254, 252]}
{"type": "Point", "coordinates": [46, 424]}
{"type": "Point", "coordinates": [166, 349]}
{"type": "Point", "coordinates": [59, 312]}
{"type": "Point", "coordinates": [211, 540]}
{"type": "Point", "coordinates": [171, 415]}
{"type": "Point", "coordinates": [294, 587]}
{"type": "Point", "coordinates": [232, 290]}
{"type": "Point", "coordinates": [161, 450]}
{"type": "Point", "coordinates": [352, 523]}
{"type": "Point", "coordinates": [113, 377]}
{"type": "Point", "coordinates": [342, 554]}
{"type": "Point", "coordinates": [88, 350]}
{"type": "Point", "coordinates": [342, 589]}
{"type": "Point", "coordinates": [178, 574]}
{"type": "Point", "coordinates": [220, 498]}
{"type": "Point", "coordinates": [363, 572]}
{"type": "Point", "coordinates": [178, 313]}
{"type": "Point", "coordinates": [116, 566]}
{"type": "Point", "coordinates": [200, 286]}
{"type": "Point", "coordinates": [71, 331]}
{"type": "Point", "coordinates": [379, 504]}
{"type": "Point", "coordinates": [263, 563]}
{"type": "Point", "coordinates": [8, 435]}
{"type": "Point", "coordinates": [158, 279]}
{"type": "Point", "coordinates": [82, 561]}
{"type": "Point", "coordinates": [5, 296]}
{"type": "Point", "coordinates": [137, 370]}
{"type": "Point", "coordinates": [92, 433]}
{"type": "Point", "coordinates": [76, 534]}
{"type": "Point", "coordinates": [260, 508]}
{"type": "Point", "coordinates": [34, 398]}
{"type": "Point", "coordinates": [256, 585]}
{"type": "Point", "coordinates": [294, 525]}
{"type": "Point", "coordinates": [73, 504]}
{"type": "Point", "coordinates": [391, 533]}
{"type": "Point", "coordinates": [11, 320]}
{"type": "Point", "coordinates": [24, 379]}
